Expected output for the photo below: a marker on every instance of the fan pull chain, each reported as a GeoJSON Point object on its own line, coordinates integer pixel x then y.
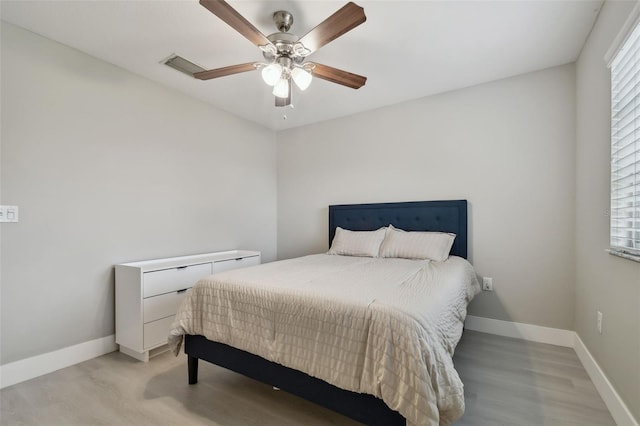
{"type": "Point", "coordinates": [284, 116]}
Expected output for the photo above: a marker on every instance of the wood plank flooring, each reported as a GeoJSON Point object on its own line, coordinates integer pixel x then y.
{"type": "Point", "coordinates": [515, 382]}
{"type": "Point", "coordinates": [507, 382]}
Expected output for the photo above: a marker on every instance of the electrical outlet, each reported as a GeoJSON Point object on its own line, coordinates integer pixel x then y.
{"type": "Point", "coordinates": [487, 283]}
{"type": "Point", "coordinates": [599, 322]}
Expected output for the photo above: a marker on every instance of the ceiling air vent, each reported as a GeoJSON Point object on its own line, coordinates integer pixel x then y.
{"type": "Point", "coordinates": [181, 64]}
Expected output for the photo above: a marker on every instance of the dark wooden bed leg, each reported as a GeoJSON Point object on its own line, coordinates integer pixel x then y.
{"type": "Point", "coordinates": [193, 369]}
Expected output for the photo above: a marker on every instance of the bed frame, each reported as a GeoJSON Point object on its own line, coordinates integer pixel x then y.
{"type": "Point", "coordinates": [441, 216]}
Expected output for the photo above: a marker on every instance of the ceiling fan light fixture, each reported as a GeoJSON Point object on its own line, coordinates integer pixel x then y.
{"type": "Point", "coordinates": [301, 77]}
{"type": "Point", "coordinates": [281, 88]}
{"type": "Point", "coordinates": [272, 73]}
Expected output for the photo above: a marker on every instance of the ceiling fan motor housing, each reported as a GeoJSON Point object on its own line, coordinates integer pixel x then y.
{"type": "Point", "coordinates": [284, 43]}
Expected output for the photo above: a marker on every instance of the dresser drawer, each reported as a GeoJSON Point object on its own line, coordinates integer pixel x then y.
{"type": "Point", "coordinates": [227, 265]}
{"type": "Point", "coordinates": [163, 305]}
{"type": "Point", "coordinates": [170, 280]}
{"type": "Point", "coordinates": [155, 333]}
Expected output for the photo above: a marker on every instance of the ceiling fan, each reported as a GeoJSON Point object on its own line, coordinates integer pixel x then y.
{"type": "Point", "coordinates": [285, 53]}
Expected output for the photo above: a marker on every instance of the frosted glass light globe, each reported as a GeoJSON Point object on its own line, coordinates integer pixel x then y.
{"type": "Point", "coordinates": [281, 89]}
{"type": "Point", "coordinates": [271, 73]}
{"type": "Point", "coordinates": [301, 77]}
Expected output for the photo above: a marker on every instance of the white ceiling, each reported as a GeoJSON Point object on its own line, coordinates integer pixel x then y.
{"type": "Point", "coordinates": [407, 49]}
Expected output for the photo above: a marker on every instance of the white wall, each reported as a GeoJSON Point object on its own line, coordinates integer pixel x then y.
{"type": "Point", "coordinates": [604, 282]}
{"type": "Point", "coordinates": [109, 167]}
{"type": "Point", "coordinates": [508, 147]}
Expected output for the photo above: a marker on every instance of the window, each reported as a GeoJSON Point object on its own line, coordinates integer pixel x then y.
{"type": "Point", "coordinates": [625, 146]}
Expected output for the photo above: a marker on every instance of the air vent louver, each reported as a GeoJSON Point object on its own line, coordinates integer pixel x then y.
{"type": "Point", "coordinates": [181, 64]}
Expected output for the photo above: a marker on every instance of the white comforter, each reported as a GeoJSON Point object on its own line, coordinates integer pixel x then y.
{"type": "Point", "coordinates": [386, 327]}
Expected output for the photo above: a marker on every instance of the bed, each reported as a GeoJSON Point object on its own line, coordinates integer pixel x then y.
{"type": "Point", "coordinates": [384, 348]}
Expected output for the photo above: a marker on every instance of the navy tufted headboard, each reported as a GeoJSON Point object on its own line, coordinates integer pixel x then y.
{"type": "Point", "coordinates": [438, 216]}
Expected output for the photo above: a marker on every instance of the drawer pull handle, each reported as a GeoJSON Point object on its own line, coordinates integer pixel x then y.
{"type": "Point", "coordinates": [181, 267]}
{"type": "Point", "coordinates": [182, 291]}
{"type": "Point", "coordinates": [239, 258]}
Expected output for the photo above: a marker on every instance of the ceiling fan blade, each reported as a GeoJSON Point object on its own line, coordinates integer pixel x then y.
{"type": "Point", "coordinates": [335, 75]}
{"type": "Point", "coordinates": [222, 10]}
{"type": "Point", "coordinates": [221, 72]}
{"type": "Point", "coordinates": [347, 18]}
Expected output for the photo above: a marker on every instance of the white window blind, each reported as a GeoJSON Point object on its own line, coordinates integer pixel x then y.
{"type": "Point", "coordinates": [625, 146]}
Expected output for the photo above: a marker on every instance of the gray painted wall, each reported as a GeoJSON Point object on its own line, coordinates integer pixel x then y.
{"type": "Point", "coordinates": [108, 167]}
{"type": "Point", "coordinates": [604, 282]}
{"type": "Point", "coordinates": [508, 147]}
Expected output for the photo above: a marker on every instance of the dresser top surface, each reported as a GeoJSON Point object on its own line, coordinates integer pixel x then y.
{"type": "Point", "coordinates": [172, 262]}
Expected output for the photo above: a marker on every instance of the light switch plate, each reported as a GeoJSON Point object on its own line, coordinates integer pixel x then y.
{"type": "Point", "coordinates": [8, 213]}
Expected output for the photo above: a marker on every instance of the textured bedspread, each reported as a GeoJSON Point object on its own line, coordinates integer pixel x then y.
{"type": "Point", "coordinates": [386, 327]}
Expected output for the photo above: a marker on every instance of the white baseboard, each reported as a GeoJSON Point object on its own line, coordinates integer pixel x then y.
{"type": "Point", "coordinates": [29, 368]}
{"type": "Point", "coordinates": [567, 338]}
{"type": "Point", "coordinates": [518, 330]}
{"type": "Point", "coordinates": [618, 409]}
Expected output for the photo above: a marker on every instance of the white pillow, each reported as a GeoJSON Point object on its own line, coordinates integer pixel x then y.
{"type": "Point", "coordinates": [416, 245]}
{"type": "Point", "coordinates": [357, 243]}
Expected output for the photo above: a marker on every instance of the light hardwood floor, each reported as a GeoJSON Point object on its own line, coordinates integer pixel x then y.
{"type": "Point", "coordinates": [507, 382]}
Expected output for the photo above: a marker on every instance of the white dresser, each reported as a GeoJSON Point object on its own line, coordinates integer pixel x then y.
{"type": "Point", "coordinates": [148, 295]}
